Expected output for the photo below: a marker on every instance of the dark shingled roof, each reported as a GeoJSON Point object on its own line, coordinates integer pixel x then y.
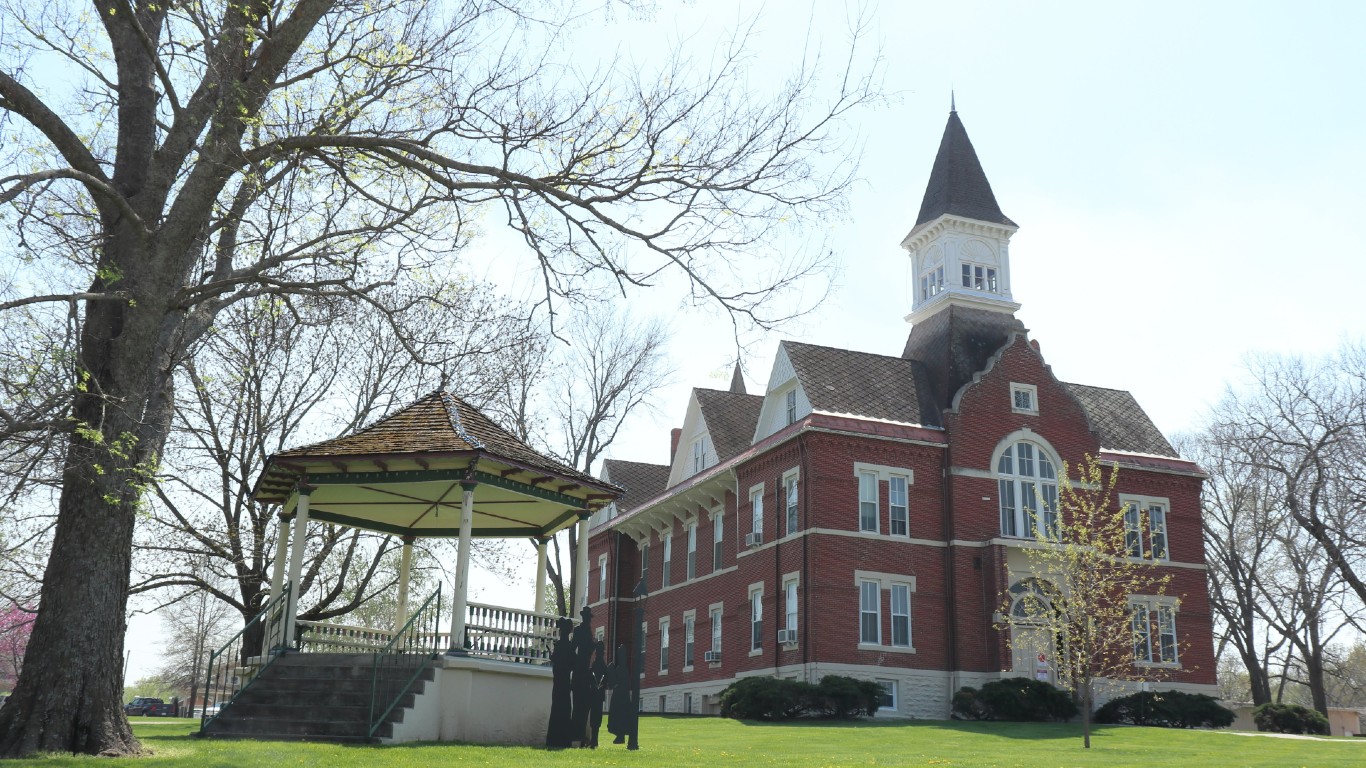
{"type": "Point", "coordinates": [955, 343]}
{"type": "Point", "coordinates": [438, 423]}
{"type": "Point", "coordinates": [641, 481]}
{"type": "Point", "coordinates": [957, 183]}
{"type": "Point", "coordinates": [1120, 421]}
{"type": "Point", "coordinates": [731, 418]}
{"type": "Point", "coordinates": [873, 386]}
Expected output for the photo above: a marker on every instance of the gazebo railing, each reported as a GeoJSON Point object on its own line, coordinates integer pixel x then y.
{"type": "Point", "coordinates": [402, 659]}
{"type": "Point", "coordinates": [321, 637]}
{"type": "Point", "coordinates": [508, 634]}
{"type": "Point", "coordinates": [231, 669]}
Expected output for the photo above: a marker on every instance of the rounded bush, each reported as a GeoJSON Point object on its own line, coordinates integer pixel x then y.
{"type": "Point", "coordinates": [1017, 698]}
{"type": "Point", "coordinates": [765, 698]}
{"type": "Point", "coordinates": [846, 698]}
{"type": "Point", "coordinates": [1167, 709]}
{"type": "Point", "coordinates": [1289, 718]}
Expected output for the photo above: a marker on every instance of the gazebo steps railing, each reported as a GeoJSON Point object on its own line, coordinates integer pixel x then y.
{"type": "Point", "coordinates": [318, 697]}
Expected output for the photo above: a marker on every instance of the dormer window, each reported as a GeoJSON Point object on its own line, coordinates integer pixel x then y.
{"type": "Point", "coordinates": [699, 455]}
{"type": "Point", "coordinates": [791, 406]}
{"type": "Point", "coordinates": [979, 278]}
{"type": "Point", "coordinates": [931, 283]}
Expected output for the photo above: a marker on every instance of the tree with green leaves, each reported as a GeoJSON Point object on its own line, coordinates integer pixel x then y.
{"type": "Point", "coordinates": [189, 156]}
{"type": "Point", "coordinates": [1086, 590]}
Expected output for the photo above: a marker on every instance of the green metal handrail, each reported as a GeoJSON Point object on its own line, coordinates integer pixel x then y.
{"type": "Point", "coordinates": [417, 642]}
{"type": "Point", "coordinates": [228, 665]}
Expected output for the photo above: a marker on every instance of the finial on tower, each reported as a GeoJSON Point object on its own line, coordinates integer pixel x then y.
{"type": "Point", "coordinates": [953, 106]}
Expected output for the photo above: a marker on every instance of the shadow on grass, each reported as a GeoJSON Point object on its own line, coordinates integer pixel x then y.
{"type": "Point", "coordinates": [1000, 729]}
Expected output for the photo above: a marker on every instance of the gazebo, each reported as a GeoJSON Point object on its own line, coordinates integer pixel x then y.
{"type": "Point", "coordinates": [436, 468]}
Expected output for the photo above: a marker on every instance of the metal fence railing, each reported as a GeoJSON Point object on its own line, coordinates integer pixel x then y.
{"type": "Point", "coordinates": [398, 664]}
{"type": "Point", "coordinates": [243, 658]}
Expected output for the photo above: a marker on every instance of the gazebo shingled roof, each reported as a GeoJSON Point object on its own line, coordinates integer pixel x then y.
{"type": "Point", "coordinates": [401, 473]}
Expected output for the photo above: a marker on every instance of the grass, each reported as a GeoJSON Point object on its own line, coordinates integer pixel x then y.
{"type": "Point", "coordinates": [716, 743]}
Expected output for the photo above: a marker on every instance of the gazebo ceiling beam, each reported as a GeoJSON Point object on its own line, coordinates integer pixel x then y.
{"type": "Point", "coordinates": [439, 475]}
{"type": "Point", "coordinates": [430, 533]}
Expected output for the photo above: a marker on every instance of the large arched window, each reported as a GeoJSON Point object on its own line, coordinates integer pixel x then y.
{"type": "Point", "coordinates": [1029, 492]}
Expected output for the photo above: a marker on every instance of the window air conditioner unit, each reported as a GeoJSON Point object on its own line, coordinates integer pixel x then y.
{"type": "Point", "coordinates": [754, 539]}
{"type": "Point", "coordinates": [712, 657]}
{"type": "Point", "coordinates": [787, 636]}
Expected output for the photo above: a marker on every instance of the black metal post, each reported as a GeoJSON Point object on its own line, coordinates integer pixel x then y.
{"type": "Point", "coordinates": [633, 737]}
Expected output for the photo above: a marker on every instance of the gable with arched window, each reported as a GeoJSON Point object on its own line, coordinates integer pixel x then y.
{"type": "Point", "coordinates": [1028, 486]}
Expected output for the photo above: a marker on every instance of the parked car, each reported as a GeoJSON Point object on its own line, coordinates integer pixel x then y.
{"type": "Point", "coordinates": [140, 704]}
{"type": "Point", "coordinates": [160, 710]}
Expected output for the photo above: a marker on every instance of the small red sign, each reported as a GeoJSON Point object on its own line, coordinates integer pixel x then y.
{"type": "Point", "coordinates": [1042, 658]}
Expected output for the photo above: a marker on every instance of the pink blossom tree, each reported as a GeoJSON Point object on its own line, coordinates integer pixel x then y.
{"type": "Point", "coordinates": [15, 626]}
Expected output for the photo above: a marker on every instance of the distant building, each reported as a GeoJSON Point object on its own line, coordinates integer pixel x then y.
{"type": "Point", "coordinates": [866, 515]}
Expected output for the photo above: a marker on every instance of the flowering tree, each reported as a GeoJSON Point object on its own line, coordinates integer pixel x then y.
{"type": "Point", "coordinates": [1085, 584]}
{"type": "Point", "coordinates": [15, 625]}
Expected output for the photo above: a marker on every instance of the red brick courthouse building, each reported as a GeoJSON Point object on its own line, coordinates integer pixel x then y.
{"type": "Point", "coordinates": [867, 514]}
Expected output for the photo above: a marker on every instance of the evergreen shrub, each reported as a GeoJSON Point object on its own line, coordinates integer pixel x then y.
{"type": "Point", "coordinates": [1167, 709]}
{"type": "Point", "coordinates": [1289, 718]}
{"type": "Point", "coordinates": [770, 698]}
{"type": "Point", "coordinates": [1016, 698]}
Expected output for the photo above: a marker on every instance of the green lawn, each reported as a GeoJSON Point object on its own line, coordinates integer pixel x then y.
{"type": "Point", "coordinates": [714, 743]}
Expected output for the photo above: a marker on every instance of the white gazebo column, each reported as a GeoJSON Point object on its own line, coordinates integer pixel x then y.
{"type": "Point", "coordinates": [540, 576]}
{"type": "Point", "coordinates": [296, 563]}
{"type": "Point", "coordinates": [581, 564]}
{"type": "Point", "coordinates": [405, 567]}
{"type": "Point", "coordinates": [460, 600]}
{"type": "Point", "coordinates": [277, 576]}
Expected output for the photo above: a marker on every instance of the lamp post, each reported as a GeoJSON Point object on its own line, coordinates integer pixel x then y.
{"type": "Point", "coordinates": [633, 740]}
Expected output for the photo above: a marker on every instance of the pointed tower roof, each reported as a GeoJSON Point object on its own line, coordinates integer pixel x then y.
{"type": "Point", "coordinates": [958, 186]}
{"type": "Point", "coordinates": [737, 381]}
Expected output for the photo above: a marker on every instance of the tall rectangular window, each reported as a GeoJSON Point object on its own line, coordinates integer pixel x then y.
{"type": "Point", "coordinates": [901, 615]}
{"type": "Point", "coordinates": [791, 403]}
{"type": "Point", "coordinates": [692, 551]}
{"type": "Point", "coordinates": [1133, 530]}
{"type": "Point", "coordinates": [898, 510]}
{"type": "Point", "coordinates": [664, 647]}
{"type": "Point", "coordinates": [640, 662]}
{"type": "Point", "coordinates": [791, 483]}
{"type": "Point", "coordinates": [870, 613]}
{"type": "Point", "coordinates": [687, 641]}
{"type": "Point", "coordinates": [790, 604]}
{"type": "Point", "coordinates": [668, 557]}
{"type": "Point", "coordinates": [699, 455]}
{"type": "Point", "coordinates": [867, 502]}
{"type": "Point", "coordinates": [1009, 507]}
{"type": "Point", "coordinates": [756, 620]}
{"type": "Point", "coordinates": [1166, 633]}
{"type": "Point", "coordinates": [602, 577]}
{"type": "Point", "coordinates": [1143, 648]}
{"type": "Point", "coordinates": [716, 629]}
{"type": "Point", "coordinates": [1157, 529]}
{"type": "Point", "coordinates": [756, 503]}
{"type": "Point", "coordinates": [716, 530]}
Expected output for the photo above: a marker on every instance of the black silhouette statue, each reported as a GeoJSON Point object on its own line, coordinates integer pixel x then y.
{"type": "Point", "coordinates": [582, 685]}
{"type": "Point", "coordinates": [621, 714]}
{"type": "Point", "coordinates": [560, 733]}
{"type": "Point", "coordinates": [599, 692]}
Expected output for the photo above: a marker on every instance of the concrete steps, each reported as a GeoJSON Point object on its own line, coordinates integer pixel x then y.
{"type": "Point", "coordinates": [319, 697]}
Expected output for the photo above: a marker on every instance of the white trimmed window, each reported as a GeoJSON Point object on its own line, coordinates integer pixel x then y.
{"type": "Point", "coordinates": [756, 619]}
{"type": "Point", "coordinates": [663, 645]}
{"type": "Point", "coordinates": [688, 622]}
{"type": "Point", "coordinates": [602, 577]}
{"type": "Point", "coordinates": [790, 604]}
{"type": "Point", "coordinates": [756, 504]}
{"type": "Point", "coordinates": [1024, 398]}
{"type": "Point", "coordinates": [901, 615]}
{"type": "Point", "coordinates": [716, 629]}
{"type": "Point", "coordinates": [1145, 527]}
{"type": "Point", "coordinates": [699, 455]}
{"type": "Point", "coordinates": [1028, 487]}
{"type": "Point", "coordinates": [887, 699]}
{"type": "Point", "coordinates": [790, 406]}
{"type": "Point", "coordinates": [717, 529]}
{"type": "Point", "coordinates": [870, 613]}
{"type": "Point", "coordinates": [668, 558]}
{"type": "Point", "coordinates": [867, 502]}
{"type": "Point", "coordinates": [979, 277]}
{"type": "Point", "coordinates": [1154, 631]}
{"type": "Point", "coordinates": [692, 551]}
{"type": "Point", "coordinates": [790, 486]}
{"type": "Point", "coordinates": [931, 282]}
{"type": "Point", "coordinates": [898, 509]}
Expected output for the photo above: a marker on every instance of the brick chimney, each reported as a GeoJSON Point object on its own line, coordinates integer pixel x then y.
{"type": "Point", "coordinates": [675, 435]}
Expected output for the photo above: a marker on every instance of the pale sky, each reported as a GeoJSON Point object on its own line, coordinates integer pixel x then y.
{"type": "Point", "coordinates": [1186, 177]}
